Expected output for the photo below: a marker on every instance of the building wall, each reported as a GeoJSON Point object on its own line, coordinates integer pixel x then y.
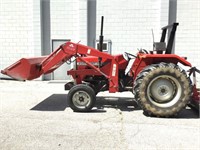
{"type": "Point", "coordinates": [128, 23]}
{"type": "Point", "coordinates": [69, 20]}
{"type": "Point", "coordinates": [19, 30]}
{"type": "Point", "coordinates": [188, 33]}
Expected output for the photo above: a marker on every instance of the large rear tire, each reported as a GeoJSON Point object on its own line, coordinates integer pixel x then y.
{"type": "Point", "coordinates": [81, 98]}
{"type": "Point", "coordinates": [162, 89]}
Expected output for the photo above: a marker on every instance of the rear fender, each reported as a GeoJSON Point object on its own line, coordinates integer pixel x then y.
{"type": "Point", "coordinates": [144, 60]}
{"type": "Point", "coordinates": [168, 58]}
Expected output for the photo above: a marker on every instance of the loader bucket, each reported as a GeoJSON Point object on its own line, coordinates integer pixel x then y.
{"type": "Point", "coordinates": [24, 69]}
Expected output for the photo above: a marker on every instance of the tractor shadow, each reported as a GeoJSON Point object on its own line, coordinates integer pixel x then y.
{"type": "Point", "coordinates": [121, 103]}
{"type": "Point", "coordinates": [58, 102]}
{"type": "Point", "coordinates": [55, 102]}
{"type": "Point", "coordinates": [188, 113]}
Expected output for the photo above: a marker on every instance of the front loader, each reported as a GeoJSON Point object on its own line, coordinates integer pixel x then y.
{"type": "Point", "coordinates": [160, 86]}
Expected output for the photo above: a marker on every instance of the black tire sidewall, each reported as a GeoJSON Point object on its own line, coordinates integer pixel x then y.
{"type": "Point", "coordinates": [147, 75]}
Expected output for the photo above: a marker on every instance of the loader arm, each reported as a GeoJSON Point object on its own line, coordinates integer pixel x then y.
{"type": "Point", "coordinates": [32, 68]}
{"type": "Point", "coordinates": [69, 50]}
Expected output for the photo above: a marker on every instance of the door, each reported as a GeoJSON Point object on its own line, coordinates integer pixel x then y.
{"type": "Point", "coordinates": [61, 72]}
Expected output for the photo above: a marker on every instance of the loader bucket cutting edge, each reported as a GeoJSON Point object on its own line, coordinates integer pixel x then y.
{"type": "Point", "coordinates": [24, 69]}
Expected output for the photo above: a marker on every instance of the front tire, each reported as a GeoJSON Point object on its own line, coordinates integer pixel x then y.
{"type": "Point", "coordinates": [162, 89]}
{"type": "Point", "coordinates": [81, 98]}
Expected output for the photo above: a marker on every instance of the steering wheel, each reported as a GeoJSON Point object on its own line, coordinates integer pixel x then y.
{"type": "Point", "coordinates": [128, 56]}
{"type": "Point", "coordinates": [144, 51]}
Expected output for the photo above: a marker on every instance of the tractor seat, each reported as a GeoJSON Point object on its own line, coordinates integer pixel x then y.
{"type": "Point", "coordinates": [158, 48]}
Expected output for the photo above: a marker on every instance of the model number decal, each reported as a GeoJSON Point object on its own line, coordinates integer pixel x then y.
{"type": "Point", "coordinates": [88, 51]}
{"type": "Point", "coordinates": [114, 69]}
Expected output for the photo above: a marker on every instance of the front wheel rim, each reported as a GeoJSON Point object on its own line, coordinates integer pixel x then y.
{"type": "Point", "coordinates": [81, 99]}
{"type": "Point", "coordinates": [164, 91]}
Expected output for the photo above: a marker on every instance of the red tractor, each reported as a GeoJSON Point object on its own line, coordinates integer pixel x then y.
{"type": "Point", "coordinates": [160, 86]}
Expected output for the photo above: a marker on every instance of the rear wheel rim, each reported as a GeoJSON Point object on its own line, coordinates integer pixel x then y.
{"type": "Point", "coordinates": [164, 91]}
{"type": "Point", "coordinates": [81, 99]}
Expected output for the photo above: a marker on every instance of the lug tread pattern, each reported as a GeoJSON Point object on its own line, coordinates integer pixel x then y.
{"type": "Point", "coordinates": [141, 83]}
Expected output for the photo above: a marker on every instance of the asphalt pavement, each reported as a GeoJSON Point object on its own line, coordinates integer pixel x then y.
{"type": "Point", "coordinates": [34, 115]}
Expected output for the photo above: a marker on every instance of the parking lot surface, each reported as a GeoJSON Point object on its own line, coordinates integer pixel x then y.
{"type": "Point", "coordinates": [34, 115]}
